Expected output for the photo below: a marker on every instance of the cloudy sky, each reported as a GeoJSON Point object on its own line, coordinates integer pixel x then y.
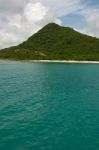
{"type": "Point", "coordinates": [19, 19]}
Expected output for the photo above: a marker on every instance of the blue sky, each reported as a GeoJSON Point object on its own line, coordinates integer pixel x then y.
{"type": "Point", "coordinates": [19, 19]}
{"type": "Point", "coordinates": [74, 20]}
{"type": "Point", "coordinates": [77, 20]}
{"type": "Point", "coordinates": [92, 3]}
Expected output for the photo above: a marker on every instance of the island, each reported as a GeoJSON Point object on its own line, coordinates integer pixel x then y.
{"type": "Point", "coordinates": [54, 42]}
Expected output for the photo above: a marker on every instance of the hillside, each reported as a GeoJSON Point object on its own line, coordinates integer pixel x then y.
{"type": "Point", "coordinates": [57, 43]}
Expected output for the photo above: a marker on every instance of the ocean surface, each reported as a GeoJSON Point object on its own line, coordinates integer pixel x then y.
{"type": "Point", "coordinates": [49, 106]}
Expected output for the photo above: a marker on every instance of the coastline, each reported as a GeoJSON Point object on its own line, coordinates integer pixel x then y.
{"type": "Point", "coordinates": [55, 61]}
{"type": "Point", "coordinates": [66, 61]}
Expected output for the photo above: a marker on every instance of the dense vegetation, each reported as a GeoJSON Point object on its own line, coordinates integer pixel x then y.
{"type": "Point", "coordinates": [55, 42]}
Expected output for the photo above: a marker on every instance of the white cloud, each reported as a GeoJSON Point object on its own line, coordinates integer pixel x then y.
{"type": "Point", "coordinates": [92, 20]}
{"type": "Point", "coordinates": [62, 7]}
{"type": "Point", "coordinates": [12, 6]}
{"type": "Point", "coordinates": [20, 26]}
{"type": "Point", "coordinates": [35, 12]}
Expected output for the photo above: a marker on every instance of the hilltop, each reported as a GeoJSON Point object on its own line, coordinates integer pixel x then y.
{"type": "Point", "coordinates": [55, 42]}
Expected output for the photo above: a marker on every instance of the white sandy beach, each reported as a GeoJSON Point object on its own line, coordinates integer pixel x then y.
{"type": "Point", "coordinates": [55, 61]}
{"type": "Point", "coordinates": [66, 61]}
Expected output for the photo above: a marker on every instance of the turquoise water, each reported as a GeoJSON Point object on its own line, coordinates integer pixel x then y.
{"type": "Point", "coordinates": [49, 106]}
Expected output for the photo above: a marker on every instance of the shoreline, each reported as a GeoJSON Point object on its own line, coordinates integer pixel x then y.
{"type": "Point", "coordinates": [55, 61]}
{"type": "Point", "coordinates": [66, 61]}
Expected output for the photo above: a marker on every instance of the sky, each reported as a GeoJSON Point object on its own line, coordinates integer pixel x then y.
{"type": "Point", "coordinates": [19, 19]}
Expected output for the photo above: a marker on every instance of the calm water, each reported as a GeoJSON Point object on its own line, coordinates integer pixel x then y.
{"type": "Point", "coordinates": [46, 106]}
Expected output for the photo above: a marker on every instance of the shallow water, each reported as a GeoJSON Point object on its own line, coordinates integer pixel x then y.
{"type": "Point", "coordinates": [49, 106]}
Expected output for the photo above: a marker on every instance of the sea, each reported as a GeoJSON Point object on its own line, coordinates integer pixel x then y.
{"type": "Point", "coordinates": [49, 106]}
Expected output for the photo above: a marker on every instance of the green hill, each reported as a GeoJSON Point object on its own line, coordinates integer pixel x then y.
{"type": "Point", "coordinates": [57, 43]}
